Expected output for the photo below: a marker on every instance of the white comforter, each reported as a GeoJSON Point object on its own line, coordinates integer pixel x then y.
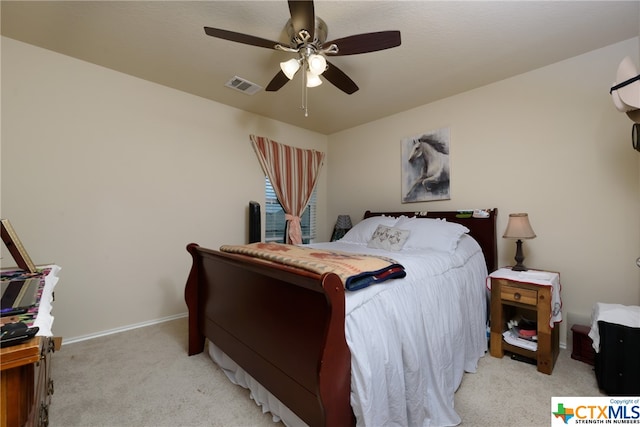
{"type": "Point", "coordinates": [411, 339]}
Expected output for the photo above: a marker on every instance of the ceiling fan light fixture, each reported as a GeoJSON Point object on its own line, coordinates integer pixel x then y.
{"type": "Point", "coordinates": [308, 35]}
{"type": "Point", "coordinates": [290, 67]}
{"type": "Point", "coordinates": [317, 64]}
{"type": "Point", "coordinates": [313, 80]}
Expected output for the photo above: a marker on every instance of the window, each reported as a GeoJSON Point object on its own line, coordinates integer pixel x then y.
{"type": "Point", "coordinates": [275, 222]}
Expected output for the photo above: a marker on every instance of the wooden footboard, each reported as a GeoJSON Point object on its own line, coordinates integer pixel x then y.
{"type": "Point", "coordinates": [282, 325]}
{"type": "Point", "coordinates": [286, 326]}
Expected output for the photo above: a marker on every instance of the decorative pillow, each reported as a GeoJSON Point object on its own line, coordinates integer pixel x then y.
{"type": "Point", "coordinates": [429, 233]}
{"type": "Point", "coordinates": [388, 238]}
{"type": "Point", "coordinates": [362, 231]}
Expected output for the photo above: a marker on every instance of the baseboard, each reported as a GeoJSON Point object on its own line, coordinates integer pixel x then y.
{"type": "Point", "coordinates": [66, 340]}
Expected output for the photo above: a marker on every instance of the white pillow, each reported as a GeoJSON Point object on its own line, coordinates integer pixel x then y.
{"type": "Point", "coordinates": [430, 233]}
{"type": "Point", "coordinates": [362, 231]}
{"type": "Point", "coordinates": [388, 238]}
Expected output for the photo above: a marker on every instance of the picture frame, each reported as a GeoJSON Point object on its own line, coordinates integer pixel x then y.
{"type": "Point", "coordinates": [15, 247]}
{"type": "Point", "coordinates": [425, 166]}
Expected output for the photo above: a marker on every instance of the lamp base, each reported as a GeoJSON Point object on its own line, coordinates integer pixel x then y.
{"type": "Point", "coordinates": [519, 258]}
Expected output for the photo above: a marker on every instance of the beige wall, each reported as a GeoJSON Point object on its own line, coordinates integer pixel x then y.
{"type": "Point", "coordinates": [123, 173]}
{"type": "Point", "coordinates": [111, 177]}
{"type": "Point", "coordinates": [548, 142]}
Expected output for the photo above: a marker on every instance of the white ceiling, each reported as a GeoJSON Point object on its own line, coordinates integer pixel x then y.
{"type": "Point", "coordinates": [448, 47]}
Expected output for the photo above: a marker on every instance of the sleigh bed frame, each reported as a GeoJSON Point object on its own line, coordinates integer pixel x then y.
{"type": "Point", "coordinates": [285, 326]}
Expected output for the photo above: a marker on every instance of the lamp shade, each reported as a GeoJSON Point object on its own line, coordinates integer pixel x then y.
{"type": "Point", "coordinates": [290, 67]}
{"type": "Point", "coordinates": [343, 224]}
{"type": "Point", "coordinates": [313, 80]}
{"type": "Point", "coordinates": [317, 64]}
{"type": "Point", "coordinates": [519, 227]}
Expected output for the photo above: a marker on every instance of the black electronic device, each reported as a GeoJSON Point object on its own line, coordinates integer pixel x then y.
{"type": "Point", "coordinates": [15, 333]}
{"type": "Point", "coordinates": [18, 295]}
{"type": "Point", "coordinates": [255, 233]}
{"type": "Point", "coordinates": [524, 359]}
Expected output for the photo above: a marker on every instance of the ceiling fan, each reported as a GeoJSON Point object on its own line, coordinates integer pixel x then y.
{"type": "Point", "coordinates": [308, 35]}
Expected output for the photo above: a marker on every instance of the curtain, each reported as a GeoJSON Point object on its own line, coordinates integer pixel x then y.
{"type": "Point", "coordinates": [293, 173]}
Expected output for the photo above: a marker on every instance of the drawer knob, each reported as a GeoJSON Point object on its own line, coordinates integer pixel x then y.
{"type": "Point", "coordinates": [517, 296]}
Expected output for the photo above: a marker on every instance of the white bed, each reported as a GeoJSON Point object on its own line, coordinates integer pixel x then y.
{"type": "Point", "coordinates": [410, 339]}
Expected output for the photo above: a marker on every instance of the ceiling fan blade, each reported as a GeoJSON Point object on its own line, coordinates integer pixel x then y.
{"type": "Point", "coordinates": [303, 16]}
{"type": "Point", "coordinates": [240, 38]}
{"type": "Point", "coordinates": [339, 79]}
{"type": "Point", "coordinates": [277, 82]}
{"type": "Point", "coordinates": [367, 42]}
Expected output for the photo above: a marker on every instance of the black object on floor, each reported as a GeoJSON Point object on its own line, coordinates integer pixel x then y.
{"type": "Point", "coordinates": [523, 359]}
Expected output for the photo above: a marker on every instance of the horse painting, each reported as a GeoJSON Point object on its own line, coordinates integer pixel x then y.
{"type": "Point", "coordinates": [426, 168]}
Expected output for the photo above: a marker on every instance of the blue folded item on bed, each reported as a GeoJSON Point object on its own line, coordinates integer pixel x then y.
{"type": "Point", "coordinates": [395, 271]}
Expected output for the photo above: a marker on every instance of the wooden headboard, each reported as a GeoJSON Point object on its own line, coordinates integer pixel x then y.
{"type": "Point", "coordinates": [481, 229]}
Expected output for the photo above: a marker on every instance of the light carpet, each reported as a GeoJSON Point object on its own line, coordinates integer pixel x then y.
{"type": "Point", "coordinates": [143, 377]}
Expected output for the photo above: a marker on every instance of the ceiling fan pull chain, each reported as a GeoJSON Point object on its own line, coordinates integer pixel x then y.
{"type": "Point", "coordinates": [304, 87]}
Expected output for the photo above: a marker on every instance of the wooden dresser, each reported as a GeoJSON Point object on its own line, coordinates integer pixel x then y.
{"type": "Point", "coordinates": [26, 384]}
{"type": "Point", "coordinates": [25, 369]}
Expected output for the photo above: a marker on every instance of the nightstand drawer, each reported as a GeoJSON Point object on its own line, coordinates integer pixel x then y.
{"type": "Point", "coordinates": [523, 296]}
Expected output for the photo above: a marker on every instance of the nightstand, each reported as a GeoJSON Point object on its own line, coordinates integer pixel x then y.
{"type": "Point", "coordinates": [531, 294]}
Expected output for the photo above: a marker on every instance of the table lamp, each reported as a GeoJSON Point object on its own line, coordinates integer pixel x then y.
{"type": "Point", "coordinates": [519, 228]}
{"type": "Point", "coordinates": [343, 224]}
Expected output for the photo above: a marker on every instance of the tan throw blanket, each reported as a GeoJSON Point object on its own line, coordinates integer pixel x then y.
{"type": "Point", "coordinates": [356, 270]}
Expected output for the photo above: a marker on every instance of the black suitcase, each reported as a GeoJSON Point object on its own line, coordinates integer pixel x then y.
{"type": "Point", "coordinates": [617, 365]}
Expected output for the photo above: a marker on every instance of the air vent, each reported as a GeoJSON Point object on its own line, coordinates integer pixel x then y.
{"type": "Point", "coordinates": [243, 85]}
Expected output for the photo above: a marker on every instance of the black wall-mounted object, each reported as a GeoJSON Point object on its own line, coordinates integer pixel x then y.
{"type": "Point", "coordinates": [635, 135]}
{"type": "Point", "coordinates": [255, 233]}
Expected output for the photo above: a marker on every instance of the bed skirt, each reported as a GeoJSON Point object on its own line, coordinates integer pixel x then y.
{"type": "Point", "coordinates": [259, 394]}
